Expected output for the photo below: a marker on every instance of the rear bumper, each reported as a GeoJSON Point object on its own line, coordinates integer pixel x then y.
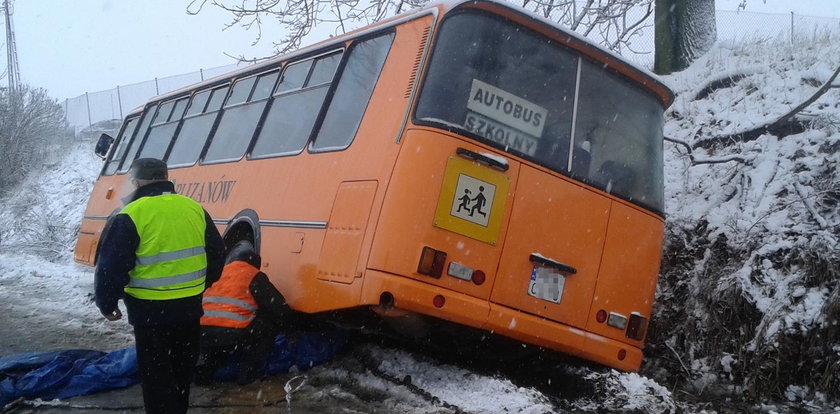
{"type": "Point", "coordinates": [415, 296]}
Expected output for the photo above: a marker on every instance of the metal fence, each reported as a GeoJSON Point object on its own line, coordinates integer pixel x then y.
{"type": "Point", "coordinates": [85, 110]}
{"type": "Point", "coordinates": [734, 26]}
{"type": "Point", "coordinates": [741, 26]}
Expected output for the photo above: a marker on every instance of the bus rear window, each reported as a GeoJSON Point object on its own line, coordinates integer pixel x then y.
{"type": "Point", "coordinates": [621, 126]}
{"type": "Point", "coordinates": [502, 83]}
{"type": "Point", "coordinates": [517, 90]}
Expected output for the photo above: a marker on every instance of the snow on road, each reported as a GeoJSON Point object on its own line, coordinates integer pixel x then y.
{"type": "Point", "coordinates": [48, 306]}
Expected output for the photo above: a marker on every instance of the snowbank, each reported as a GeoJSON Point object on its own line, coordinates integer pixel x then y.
{"type": "Point", "coordinates": [749, 300]}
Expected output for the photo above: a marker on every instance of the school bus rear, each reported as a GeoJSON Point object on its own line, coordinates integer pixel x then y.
{"type": "Point", "coordinates": [527, 194]}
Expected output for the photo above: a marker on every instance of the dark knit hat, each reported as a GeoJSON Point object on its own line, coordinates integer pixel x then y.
{"type": "Point", "coordinates": [149, 169]}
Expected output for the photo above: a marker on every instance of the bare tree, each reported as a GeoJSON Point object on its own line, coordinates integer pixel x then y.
{"type": "Point", "coordinates": [29, 124]}
{"type": "Point", "coordinates": [612, 23]}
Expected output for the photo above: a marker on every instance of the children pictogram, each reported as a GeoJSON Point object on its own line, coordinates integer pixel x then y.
{"type": "Point", "coordinates": [473, 200]}
{"type": "Point", "coordinates": [479, 201]}
{"type": "Point", "coordinates": [465, 200]}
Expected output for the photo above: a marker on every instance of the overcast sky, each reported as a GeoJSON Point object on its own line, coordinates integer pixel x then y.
{"type": "Point", "coordinates": [73, 47]}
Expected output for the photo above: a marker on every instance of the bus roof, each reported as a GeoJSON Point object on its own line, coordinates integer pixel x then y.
{"type": "Point", "coordinates": [593, 50]}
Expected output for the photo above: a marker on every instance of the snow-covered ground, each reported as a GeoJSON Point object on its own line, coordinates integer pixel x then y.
{"type": "Point", "coordinates": [749, 301]}
{"type": "Point", "coordinates": [750, 271]}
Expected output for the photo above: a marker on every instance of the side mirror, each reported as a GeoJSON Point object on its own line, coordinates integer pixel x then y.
{"type": "Point", "coordinates": [103, 145]}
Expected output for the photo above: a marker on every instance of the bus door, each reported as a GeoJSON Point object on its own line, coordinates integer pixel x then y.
{"type": "Point", "coordinates": [551, 257]}
{"type": "Point", "coordinates": [445, 214]}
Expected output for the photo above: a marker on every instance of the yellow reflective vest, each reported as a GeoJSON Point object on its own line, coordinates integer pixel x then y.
{"type": "Point", "coordinates": [171, 259]}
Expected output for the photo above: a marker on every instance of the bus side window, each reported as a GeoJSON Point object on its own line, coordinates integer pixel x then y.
{"type": "Point", "coordinates": [122, 145]}
{"type": "Point", "coordinates": [293, 111]}
{"type": "Point", "coordinates": [198, 120]}
{"type": "Point", "coordinates": [163, 129]}
{"type": "Point", "coordinates": [138, 138]}
{"type": "Point", "coordinates": [242, 114]}
{"type": "Point", "coordinates": [198, 102]}
{"type": "Point", "coordinates": [353, 93]}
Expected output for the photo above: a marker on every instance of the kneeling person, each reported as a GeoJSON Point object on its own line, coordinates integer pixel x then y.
{"type": "Point", "coordinates": [242, 309]}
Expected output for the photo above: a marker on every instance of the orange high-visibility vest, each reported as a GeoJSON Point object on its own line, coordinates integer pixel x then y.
{"type": "Point", "coordinates": [229, 303]}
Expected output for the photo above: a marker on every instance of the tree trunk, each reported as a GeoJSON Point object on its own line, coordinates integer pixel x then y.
{"type": "Point", "coordinates": [685, 30]}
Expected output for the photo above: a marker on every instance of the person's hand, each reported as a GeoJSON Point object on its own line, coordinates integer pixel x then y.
{"type": "Point", "coordinates": [113, 316]}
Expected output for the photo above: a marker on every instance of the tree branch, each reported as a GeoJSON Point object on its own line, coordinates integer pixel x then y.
{"type": "Point", "coordinates": [809, 204]}
{"type": "Point", "coordinates": [298, 17]}
{"type": "Point", "coordinates": [778, 125]}
{"type": "Point", "coordinates": [707, 160]}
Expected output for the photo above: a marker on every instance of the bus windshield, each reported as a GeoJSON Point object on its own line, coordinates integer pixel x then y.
{"type": "Point", "coordinates": [498, 82]}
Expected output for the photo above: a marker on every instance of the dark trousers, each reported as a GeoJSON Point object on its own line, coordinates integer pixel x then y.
{"type": "Point", "coordinates": [217, 344]}
{"type": "Point", "coordinates": [166, 357]}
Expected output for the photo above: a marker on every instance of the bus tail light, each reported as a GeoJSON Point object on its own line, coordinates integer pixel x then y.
{"type": "Point", "coordinates": [467, 273]}
{"type": "Point", "coordinates": [601, 316]}
{"type": "Point", "coordinates": [478, 277]}
{"type": "Point", "coordinates": [636, 327]}
{"type": "Point", "coordinates": [439, 301]}
{"type": "Point", "coordinates": [431, 262]}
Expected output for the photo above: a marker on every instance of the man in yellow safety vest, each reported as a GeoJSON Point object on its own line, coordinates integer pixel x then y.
{"type": "Point", "coordinates": [159, 253]}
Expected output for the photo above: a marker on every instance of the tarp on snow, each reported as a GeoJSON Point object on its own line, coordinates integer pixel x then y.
{"type": "Point", "coordinates": [303, 350]}
{"type": "Point", "coordinates": [65, 374]}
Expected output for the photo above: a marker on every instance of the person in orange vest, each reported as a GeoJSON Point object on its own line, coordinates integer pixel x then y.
{"type": "Point", "coordinates": [242, 309]}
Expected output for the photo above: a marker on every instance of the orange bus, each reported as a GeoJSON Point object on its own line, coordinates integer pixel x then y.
{"type": "Point", "coordinates": [466, 163]}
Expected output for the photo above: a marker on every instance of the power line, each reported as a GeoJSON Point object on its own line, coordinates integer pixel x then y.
{"type": "Point", "coordinates": [11, 52]}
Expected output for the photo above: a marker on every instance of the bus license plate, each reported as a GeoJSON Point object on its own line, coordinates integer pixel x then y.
{"type": "Point", "coordinates": [546, 284]}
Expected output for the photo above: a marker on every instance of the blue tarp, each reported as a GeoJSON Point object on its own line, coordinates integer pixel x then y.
{"type": "Point", "coordinates": [303, 350]}
{"type": "Point", "coordinates": [65, 374]}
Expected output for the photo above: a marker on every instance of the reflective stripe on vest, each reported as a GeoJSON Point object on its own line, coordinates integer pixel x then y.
{"type": "Point", "coordinates": [158, 282]}
{"type": "Point", "coordinates": [228, 315]}
{"type": "Point", "coordinates": [229, 303]}
{"type": "Point", "coordinates": [171, 259]}
{"type": "Point", "coordinates": [165, 257]}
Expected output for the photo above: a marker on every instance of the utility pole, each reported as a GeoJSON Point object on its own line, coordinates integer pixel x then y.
{"type": "Point", "coordinates": [11, 53]}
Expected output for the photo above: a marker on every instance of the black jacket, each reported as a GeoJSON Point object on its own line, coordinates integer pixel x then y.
{"type": "Point", "coordinates": [117, 256]}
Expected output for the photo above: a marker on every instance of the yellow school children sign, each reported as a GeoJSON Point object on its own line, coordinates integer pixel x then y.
{"type": "Point", "coordinates": [472, 200]}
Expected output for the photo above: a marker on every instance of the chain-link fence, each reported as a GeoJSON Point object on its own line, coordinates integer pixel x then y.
{"type": "Point", "coordinates": [91, 108]}
{"type": "Point", "coordinates": [740, 26]}
{"type": "Point", "coordinates": [732, 26]}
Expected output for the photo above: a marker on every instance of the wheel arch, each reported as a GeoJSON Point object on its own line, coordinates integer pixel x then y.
{"type": "Point", "coordinates": [245, 225]}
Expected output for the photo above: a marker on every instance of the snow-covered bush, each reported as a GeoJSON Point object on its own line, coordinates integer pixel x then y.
{"type": "Point", "coordinates": [749, 297]}
{"type": "Point", "coordinates": [42, 214]}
